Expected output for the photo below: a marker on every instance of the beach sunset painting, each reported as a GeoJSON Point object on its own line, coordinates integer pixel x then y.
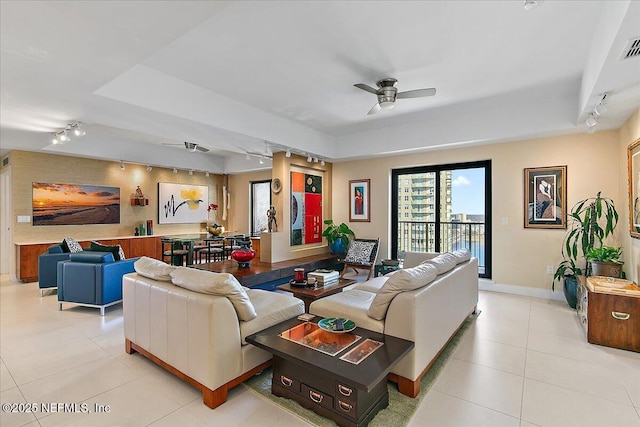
{"type": "Point", "coordinates": [75, 204]}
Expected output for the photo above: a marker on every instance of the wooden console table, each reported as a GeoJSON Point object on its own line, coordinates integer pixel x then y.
{"type": "Point", "coordinates": [265, 275]}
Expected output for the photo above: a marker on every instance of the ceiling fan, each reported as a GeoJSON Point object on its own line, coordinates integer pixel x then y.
{"type": "Point", "coordinates": [191, 146]}
{"type": "Point", "coordinates": [387, 93]}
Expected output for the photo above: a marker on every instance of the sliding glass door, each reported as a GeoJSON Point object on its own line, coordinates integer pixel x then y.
{"type": "Point", "coordinates": [443, 208]}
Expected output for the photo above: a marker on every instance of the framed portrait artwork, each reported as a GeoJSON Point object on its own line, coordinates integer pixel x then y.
{"type": "Point", "coordinates": [545, 197]}
{"type": "Point", "coordinates": [359, 200]}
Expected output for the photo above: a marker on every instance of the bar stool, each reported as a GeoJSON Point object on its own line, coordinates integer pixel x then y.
{"type": "Point", "coordinates": [176, 253]}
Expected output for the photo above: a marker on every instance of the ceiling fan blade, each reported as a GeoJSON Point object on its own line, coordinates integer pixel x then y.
{"type": "Point", "coordinates": [202, 149]}
{"type": "Point", "coordinates": [374, 109]}
{"type": "Point", "coordinates": [416, 93]}
{"type": "Point", "coordinates": [366, 88]}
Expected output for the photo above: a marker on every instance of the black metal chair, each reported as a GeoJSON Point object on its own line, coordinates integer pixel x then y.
{"type": "Point", "coordinates": [176, 252]}
{"type": "Point", "coordinates": [214, 250]}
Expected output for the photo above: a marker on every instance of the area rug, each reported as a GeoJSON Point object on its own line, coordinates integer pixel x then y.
{"type": "Point", "coordinates": [401, 408]}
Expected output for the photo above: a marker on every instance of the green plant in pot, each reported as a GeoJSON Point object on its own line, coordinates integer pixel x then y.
{"type": "Point", "coordinates": [605, 261]}
{"type": "Point", "coordinates": [592, 220]}
{"type": "Point", "coordinates": [337, 236]}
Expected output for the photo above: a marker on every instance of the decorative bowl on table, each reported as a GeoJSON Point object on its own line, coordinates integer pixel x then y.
{"type": "Point", "coordinates": [329, 324]}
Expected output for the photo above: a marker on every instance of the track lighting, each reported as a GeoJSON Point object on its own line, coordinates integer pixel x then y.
{"type": "Point", "coordinates": [175, 170]}
{"type": "Point", "coordinates": [591, 120]}
{"type": "Point", "coordinates": [78, 129]}
{"type": "Point", "coordinates": [121, 165]}
{"type": "Point", "coordinates": [64, 135]}
{"type": "Point", "coordinates": [322, 162]}
{"type": "Point", "coordinates": [315, 159]}
{"type": "Point", "coordinates": [206, 174]}
{"type": "Point", "coordinates": [530, 4]}
{"type": "Point", "coordinates": [601, 107]}
{"type": "Point", "coordinates": [248, 156]}
{"type": "Point", "coordinates": [190, 172]}
{"type": "Point", "coordinates": [149, 168]}
{"type": "Point", "coordinates": [261, 161]}
{"type": "Point", "coordinates": [309, 158]}
{"type": "Point", "coordinates": [288, 153]}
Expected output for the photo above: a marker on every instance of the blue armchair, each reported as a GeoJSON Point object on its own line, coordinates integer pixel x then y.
{"type": "Point", "coordinates": [92, 279]}
{"type": "Point", "coordinates": [48, 267]}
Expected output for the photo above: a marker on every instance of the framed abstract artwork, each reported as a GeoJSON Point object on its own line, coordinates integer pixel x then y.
{"type": "Point", "coordinates": [182, 203]}
{"type": "Point", "coordinates": [306, 206]}
{"type": "Point", "coordinates": [359, 200]}
{"type": "Point", "coordinates": [545, 197]}
{"type": "Point", "coordinates": [75, 204]}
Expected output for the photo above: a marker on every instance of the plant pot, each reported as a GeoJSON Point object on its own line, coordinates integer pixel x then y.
{"type": "Point", "coordinates": [337, 247]}
{"type": "Point", "coordinates": [570, 291]}
{"type": "Point", "coordinates": [608, 269]}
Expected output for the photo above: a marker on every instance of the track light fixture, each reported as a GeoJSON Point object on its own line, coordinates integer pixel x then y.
{"type": "Point", "coordinates": [322, 162]}
{"type": "Point", "coordinates": [64, 135]}
{"type": "Point", "coordinates": [601, 107]}
{"type": "Point", "coordinates": [309, 158]}
{"type": "Point", "coordinates": [149, 168]}
{"type": "Point", "coordinates": [530, 4]}
{"type": "Point", "coordinates": [175, 170]}
{"type": "Point", "coordinates": [190, 172]}
{"type": "Point", "coordinates": [121, 165]}
{"type": "Point", "coordinates": [206, 174]}
{"type": "Point", "coordinates": [591, 121]}
{"type": "Point", "coordinates": [288, 153]}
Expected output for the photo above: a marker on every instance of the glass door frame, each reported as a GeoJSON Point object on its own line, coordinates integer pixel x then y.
{"type": "Point", "coordinates": [486, 164]}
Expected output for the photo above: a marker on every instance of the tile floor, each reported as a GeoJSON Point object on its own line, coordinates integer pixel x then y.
{"type": "Point", "coordinates": [525, 362]}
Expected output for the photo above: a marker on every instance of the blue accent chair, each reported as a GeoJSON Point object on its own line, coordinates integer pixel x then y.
{"type": "Point", "coordinates": [48, 267]}
{"type": "Point", "coordinates": [92, 279]}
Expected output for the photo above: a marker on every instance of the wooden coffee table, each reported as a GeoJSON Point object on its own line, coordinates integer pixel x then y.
{"type": "Point", "coordinates": [310, 294]}
{"type": "Point", "coordinates": [309, 367]}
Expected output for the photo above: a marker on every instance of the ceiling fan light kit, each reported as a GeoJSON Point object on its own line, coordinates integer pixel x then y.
{"type": "Point", "coordinates": [387, 94]}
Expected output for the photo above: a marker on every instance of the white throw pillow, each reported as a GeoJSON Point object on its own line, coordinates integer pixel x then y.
{"type": "Point", "coordinates": [221, 284]}
{"type": "Point", "coordinates": [403, 280]}
{"type": "Point", "coordinates": [359, 252]}
{"type": "Point", "coordinates": [153, 269]}
{"type": "Point", "coordinates": [443, 262]}
{"type": "Point", "coordinates": [462, 255]}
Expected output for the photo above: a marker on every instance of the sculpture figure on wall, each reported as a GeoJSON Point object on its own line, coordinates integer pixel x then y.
{"type": "Point", "coordinates": [273, 223]}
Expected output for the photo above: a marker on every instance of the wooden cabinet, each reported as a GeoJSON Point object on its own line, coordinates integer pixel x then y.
{"type": "Point", "coordinates": [610, 318]}
{"type": "Point", "coordinates": [27, 254]}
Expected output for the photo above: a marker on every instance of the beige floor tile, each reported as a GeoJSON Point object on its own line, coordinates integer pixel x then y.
{"type": "Point", "coordinates": [40, 342]}
{"type": "Point", "coordinates": [492, 354]}
{"type": "Point", "coordinates": [572, 348]}
{"type": "Point", "coordinates": [240, 405]}
{"type": "Point", "coordinates": [550, 405]}
{"type": "Point", "coordinates": [41, 364]}
{"type": "Point", "coordinates": [501, 332]}
{"type": "Point", "coordinates": [555, 320]}
{"type": "Point", "coordinates": [488, 387]}
{"type": "Point", "coordinates": [173, 387]}
{"type": "Point", "coordinates": [181, 417]}
{"type": "Point", "coordinates": [441, 410]}
{"type": "Point", "coordinates": [596, 380]}
{"type": "Point", "coordinates": [15, 415]}
{"type": "Point", "coordinates": [6, 380]}
{"type": "Point", "coordinates": [80, 383]}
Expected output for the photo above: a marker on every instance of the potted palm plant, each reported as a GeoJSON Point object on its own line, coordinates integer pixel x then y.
{"type": "Point", "coordinates": [337, 236]}
{"type": "Point", "coordinates": [592, 220]}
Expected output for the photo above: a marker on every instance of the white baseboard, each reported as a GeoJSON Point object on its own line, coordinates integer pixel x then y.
{"type": "Point", "coordinates": [490, 285]}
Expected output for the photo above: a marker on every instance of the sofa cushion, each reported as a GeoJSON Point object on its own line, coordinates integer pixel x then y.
{"type": "Point", "coordinates": [222, 284]}
{"type": "Point", "coordinates": [90, 257]}
{"type": "Point", "coordinates": [372, 285]}
{"type": "Point", "coordinates": [115, 250]}
{"type": "Point", "coordinates": [271, 308]}
{"type": "Point", "coordinates": [71, 245]}
{"type": "Point", "coordinates": [444, 262]}
{"type": "Point", "coordinates": [153, 269]}
{"type": "Point", "coordinates": [352, 305]}
{"type": "Point", "coordinates": [462, 255]}
{"type": "Point", "coordinates": [404, 280]}
{"type": "Point", "coordinates": [359, 252]}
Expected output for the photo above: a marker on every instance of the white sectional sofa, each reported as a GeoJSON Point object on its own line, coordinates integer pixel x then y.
{"type": "Point", "coordinates": [425, 302]}
{"type": "Point", "coordinates": [193, 323]}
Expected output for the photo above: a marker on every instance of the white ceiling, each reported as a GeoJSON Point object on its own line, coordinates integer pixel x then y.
{"type": "Point", "coordinates": [232, 75]}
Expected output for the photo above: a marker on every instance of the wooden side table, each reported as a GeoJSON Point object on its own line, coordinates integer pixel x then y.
{"type": "Point", "coordinates": [309, 294]}
{"type": "Point", "coordinates": [610, 317]}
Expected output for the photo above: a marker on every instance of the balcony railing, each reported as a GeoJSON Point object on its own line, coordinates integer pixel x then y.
{"type": "Point", "coordinates": [419, 236]}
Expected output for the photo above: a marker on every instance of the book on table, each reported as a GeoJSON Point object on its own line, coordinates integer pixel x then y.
{"type": "Point", "coordinates": [324, 276]}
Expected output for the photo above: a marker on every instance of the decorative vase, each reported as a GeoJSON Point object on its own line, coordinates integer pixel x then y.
{"type": "Point", "coordinates": [244, 255]}
{"type": "Point", "coordinates": [570, 291]}
{"type": "Point", "coordinates": [215, 229]}
{"type": "Point", "coordinates": [338, 247]}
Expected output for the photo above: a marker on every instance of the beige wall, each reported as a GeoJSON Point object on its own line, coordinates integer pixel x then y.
{"type": "Point", "coordinates": [520, 255]}
{"type": "Point", "coordinates": [239, 215]}
{"type": "Point", "coordinates": [28, 167]}
{"type": "Point", "coordinates": [629, 132]}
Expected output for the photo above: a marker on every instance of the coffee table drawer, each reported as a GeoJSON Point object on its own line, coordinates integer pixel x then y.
{"type": "Point", "coordinates": [288, 383]}
{"type": "Point", "coordinates": [317, 397]}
